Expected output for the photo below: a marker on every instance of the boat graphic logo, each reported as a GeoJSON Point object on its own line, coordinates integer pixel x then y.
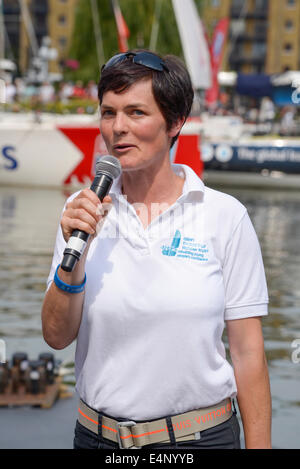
{"type": "Point", "coordinates": [223, 152]}
{"type": "Point", "coordinates": [207, 152]}
{"type": "Point", "coordinates": [171, 251]}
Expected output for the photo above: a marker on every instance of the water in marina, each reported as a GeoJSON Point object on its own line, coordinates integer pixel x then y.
{"type": "Point", "coordinates": [28, 224]}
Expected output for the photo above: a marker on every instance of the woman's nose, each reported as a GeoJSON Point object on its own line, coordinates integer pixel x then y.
{"type": "Point", "coordinates": [120, 124]}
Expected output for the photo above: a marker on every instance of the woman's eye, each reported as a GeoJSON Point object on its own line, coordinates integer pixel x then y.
{"type": "Point", "coordinates": [138, 112]}
{"type": "Point", "coordinates": [106, 113]}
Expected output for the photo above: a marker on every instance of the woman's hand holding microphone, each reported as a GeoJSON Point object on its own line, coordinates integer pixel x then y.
{"type": "Point", "coordinates": [86, 213]}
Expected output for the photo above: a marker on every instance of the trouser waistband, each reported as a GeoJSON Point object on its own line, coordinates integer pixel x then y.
{"type": "Point", "coordinates": [132, 435]}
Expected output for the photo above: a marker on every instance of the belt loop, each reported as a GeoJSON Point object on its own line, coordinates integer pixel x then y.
{"type": "Point", "coordinates": [100, 425]}
{"type": "Point", "coordinates": [171, 431]}
{"type": "Point", "coordinates": [234, 408]}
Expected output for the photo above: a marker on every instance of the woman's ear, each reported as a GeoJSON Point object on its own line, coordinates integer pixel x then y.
{"type": "Point", "coordinates": [176, 128]}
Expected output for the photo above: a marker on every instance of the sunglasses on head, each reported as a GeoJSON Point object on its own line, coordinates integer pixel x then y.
{"type": "Point", "coordinates": [147, 59]}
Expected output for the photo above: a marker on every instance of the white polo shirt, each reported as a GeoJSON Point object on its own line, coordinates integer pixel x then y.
{"type": "Point", "coordinates": [150, 340]}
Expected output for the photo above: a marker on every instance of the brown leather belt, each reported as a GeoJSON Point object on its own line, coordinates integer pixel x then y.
{"type": "Point", "coordinates": [134, 435]}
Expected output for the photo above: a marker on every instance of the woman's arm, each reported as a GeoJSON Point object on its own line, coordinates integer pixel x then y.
{"type": "Point", "coordinates": [251, 373]}
{"type": "Point", "coordinates": [61, 311]}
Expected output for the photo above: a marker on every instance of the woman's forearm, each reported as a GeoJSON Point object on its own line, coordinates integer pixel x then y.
{"type": "Point", "coordinates": [61, 311]}
{"type": "Point", "coordinates": [254, 400]}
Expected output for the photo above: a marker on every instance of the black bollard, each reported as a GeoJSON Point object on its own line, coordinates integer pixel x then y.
{"type": "Point", "coordinates": [48, 359]}
{"type": "Point", "coordinates": [35, 376]}
{"type": "Point", "coordinates": [4, 375]}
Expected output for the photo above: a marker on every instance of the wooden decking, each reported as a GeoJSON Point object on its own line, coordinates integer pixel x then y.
{"type": "Point", "coordinates": [21, 397]}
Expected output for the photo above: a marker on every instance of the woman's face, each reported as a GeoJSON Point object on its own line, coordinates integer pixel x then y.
{"type": "Point", "coordinates": [134, 128]}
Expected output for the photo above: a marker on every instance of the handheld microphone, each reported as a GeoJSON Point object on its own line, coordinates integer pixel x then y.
{"type": "Point", "coordinates": [107, 169]}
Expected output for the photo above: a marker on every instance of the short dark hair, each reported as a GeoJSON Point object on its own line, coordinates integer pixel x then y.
{"type": "Point", "coordinates": [172, 88]}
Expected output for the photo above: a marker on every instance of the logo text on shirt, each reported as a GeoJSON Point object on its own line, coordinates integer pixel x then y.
{"type": "Point", "coordinates": [187, 248]}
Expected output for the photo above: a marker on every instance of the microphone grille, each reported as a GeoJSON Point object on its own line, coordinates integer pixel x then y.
{"type": "Point", "coordinates": [109, 165]}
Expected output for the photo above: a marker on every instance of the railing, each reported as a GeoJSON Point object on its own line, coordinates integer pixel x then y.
{"type": "Point", "coordinates": [247, 59]}
{"type": "Point", "coordinates": [247, 37]}
{"type": "Point", "coordinates": [39, 8]}
{"type": "Point", "coordinates": [259, 14]}
{"type": "Point", "coordinates": [11, 10]}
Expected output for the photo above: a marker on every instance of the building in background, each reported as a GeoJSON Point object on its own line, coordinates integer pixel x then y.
{"type": "Point", "coordinates": [12, 19]}
{"type": "Point", "coordinates": [61, 20]}
{"type": "Point", "coordinates": [53, 18]}
{"type": "Point", "coordinates": [32, 29]}
{"type": "Point", "coordinates": [264, 34]}
{"type": "Point", "coordinates": [283, 36]}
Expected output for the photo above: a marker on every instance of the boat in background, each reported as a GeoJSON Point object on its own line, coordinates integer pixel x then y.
{"type": "Point", "coordinates": [46, 150]}
{"type": "Point", "coordinates": [43, 150]}
{"type": "Point", "coordinates": [234, 155]}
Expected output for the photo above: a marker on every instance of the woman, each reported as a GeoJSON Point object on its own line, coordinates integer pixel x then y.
{"type": "Point", "coordinates": [172, 262]}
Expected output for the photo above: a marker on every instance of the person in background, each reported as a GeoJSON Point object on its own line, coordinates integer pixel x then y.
{"type": "Point", "coordinates": [20, 89]}
{"type": "Point", "coordinates": [10, 91]}
{"type": "Point", "coordinates": [46, 93]}
{"type": "Point", "coordinates": [287, 124]}
{"type": "Point", "coordinates": [173, 263]}
{"type": "Point", "coordinates": [78, 90]}
{"type": "Point", "coordinates": [92, 91]}
{"type": "Point", "coordinates": [267, 113]}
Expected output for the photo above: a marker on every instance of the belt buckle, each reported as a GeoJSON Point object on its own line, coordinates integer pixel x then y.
{"type": "Point", "coordinates": [128, 423]}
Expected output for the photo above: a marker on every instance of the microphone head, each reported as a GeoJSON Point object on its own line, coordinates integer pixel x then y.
{"type": "Point", "coordinates": [109, 165]}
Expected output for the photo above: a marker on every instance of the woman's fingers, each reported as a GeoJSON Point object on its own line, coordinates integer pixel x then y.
{"type": "Point", "coordinates": [80, 222]}
{"type": "Point", "coordinates": [84, 213]}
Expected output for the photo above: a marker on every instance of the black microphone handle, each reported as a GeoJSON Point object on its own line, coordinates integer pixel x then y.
{"type": "Point", "coordinates": [101, 186]}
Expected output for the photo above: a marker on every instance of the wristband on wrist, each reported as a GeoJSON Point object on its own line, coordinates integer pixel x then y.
{"type": "Point", "coordinates": [68, 288]}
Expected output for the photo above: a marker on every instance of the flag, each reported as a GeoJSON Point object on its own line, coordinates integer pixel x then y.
{"type": "Point", "coordinates": [194, 44]}
{"type": "Point", "coordinates": [123, 31]}
{"type": "Point", "coordinates": [216, 53]}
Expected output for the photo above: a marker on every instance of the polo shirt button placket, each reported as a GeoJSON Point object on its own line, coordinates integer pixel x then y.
{"type": "Point", "coordinates": [146, 241]}
{"type": "Point", "coordinates": [145, 250]}
{"type": "Point", "coordinates": [140, 240]}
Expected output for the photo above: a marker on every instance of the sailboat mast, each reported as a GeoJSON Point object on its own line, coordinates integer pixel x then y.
{"type": "Point", "coordinates": [97, 32]}
{"type": "Point", "coordinates": [2, 41]}
{"type": "Point", "coordinates": [155, 25]}
{"type": "Point", "coordinates": [194, 43]}
{"type": "Point", "coordinates": [29, 27]}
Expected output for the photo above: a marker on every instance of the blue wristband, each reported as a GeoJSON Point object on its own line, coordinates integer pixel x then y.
{"type": "Point", "coordinates": [68, 288]}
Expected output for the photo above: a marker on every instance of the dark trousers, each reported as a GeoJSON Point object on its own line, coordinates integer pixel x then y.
{"type": "Point", "coordinates": [223, 436]}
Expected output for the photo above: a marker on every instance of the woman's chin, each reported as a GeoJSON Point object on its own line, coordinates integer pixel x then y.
{"type": "Point", "coordinates": [128, 163]}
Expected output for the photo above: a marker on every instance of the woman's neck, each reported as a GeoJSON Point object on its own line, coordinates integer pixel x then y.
{"type": "Point", "coordinates": [152, 185]}
{"type": "Point", "coordinates": [151, 192]}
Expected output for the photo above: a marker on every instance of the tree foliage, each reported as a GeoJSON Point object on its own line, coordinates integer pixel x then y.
{"type": "Point", "coordinates": [139, 16]}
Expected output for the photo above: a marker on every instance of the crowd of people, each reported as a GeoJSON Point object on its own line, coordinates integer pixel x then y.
{"type": "Point", "coordinates": [263, 112]}
{"type": "Point", "coordinates": [260, 112]}
{"type": "Point", "coordinates": [19, 91]}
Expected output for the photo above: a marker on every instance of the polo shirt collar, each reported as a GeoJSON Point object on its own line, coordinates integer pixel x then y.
{"type": "Point", "coordinates": [193, 185]}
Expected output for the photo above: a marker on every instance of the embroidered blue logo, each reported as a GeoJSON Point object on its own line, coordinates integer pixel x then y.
{"type": "Point", "coordinates": [189, 249]}
{"type": "Point", "coordinates": [171, 251]}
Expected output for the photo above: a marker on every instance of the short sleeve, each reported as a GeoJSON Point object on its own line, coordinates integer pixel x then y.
{"type": "Point", "coordinates": [246, 292]}
{"type": "Point", "coordinates": [60, 245]}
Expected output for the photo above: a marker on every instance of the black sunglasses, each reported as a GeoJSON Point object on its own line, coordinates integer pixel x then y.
{"type": "Point", "coordinates": [142, 58]}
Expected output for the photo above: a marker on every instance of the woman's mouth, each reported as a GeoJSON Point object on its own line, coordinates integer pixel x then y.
{"type": "Point", "coordinates": [122, 147]}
